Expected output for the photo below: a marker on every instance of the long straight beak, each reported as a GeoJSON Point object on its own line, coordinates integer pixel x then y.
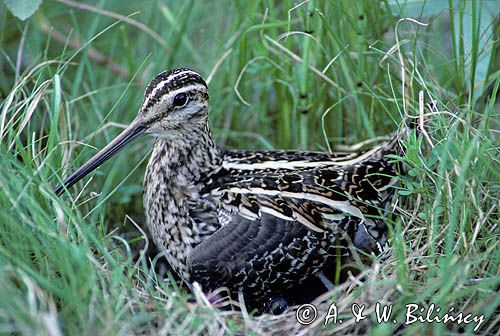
{"type": "Point", "coordinates": [130, 133]}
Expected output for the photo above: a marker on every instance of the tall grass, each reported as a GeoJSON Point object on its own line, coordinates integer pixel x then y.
{"type": "Point", "coordinates": [314, 75]}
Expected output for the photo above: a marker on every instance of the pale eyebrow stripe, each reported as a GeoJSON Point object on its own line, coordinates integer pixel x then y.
{"type": "Point", "coordinates": [161, 84]}
{"type": "Point", "coordinates": [191, 87]}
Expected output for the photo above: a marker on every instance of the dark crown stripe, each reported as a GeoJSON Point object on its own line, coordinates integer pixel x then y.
{"type": "Point", "coordinates": [162, 77]}
{"type": "Point", "coordinates": [167, 82]}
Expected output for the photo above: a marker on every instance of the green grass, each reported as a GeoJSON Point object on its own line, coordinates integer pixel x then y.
{"type": "Point", "coordinates": [74, 265]}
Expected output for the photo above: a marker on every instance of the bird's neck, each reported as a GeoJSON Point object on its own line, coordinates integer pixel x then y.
{"type": "Point", "coordinates": [170, 186]}
{"type": "Point", "coordinates": [186, 159]}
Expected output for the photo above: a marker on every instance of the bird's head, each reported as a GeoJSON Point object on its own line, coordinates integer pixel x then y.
{"type": "Point", "coordinates": [175, 103]}
{"type": "Point", "coordinates": [175, 106]}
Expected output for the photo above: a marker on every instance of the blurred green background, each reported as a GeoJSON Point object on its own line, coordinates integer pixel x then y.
{"type": "Point", "coordinates": [315, 75]}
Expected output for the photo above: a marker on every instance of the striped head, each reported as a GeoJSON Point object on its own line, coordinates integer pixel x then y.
{"type": "Point", "coordinates": [175, 107]}
{"type": "Point", "coordinates": [175, 102]}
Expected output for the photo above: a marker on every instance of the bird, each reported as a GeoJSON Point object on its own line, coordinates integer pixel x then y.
{"type": "Point", "coordinates": [256, 222]}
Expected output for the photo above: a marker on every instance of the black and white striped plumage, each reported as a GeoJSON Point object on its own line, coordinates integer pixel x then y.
{"type": "Point", "coordinates": [254, 221]}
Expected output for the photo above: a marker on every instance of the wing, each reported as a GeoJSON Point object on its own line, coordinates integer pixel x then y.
{"type": "Point", "coordinates": [319, 196]}
{"type": "Point", "coordinates": [283, 218]}
{"type": "Point", "coordinates": [263, 256]}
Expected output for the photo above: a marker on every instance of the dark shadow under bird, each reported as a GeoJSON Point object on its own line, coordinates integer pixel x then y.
{"type": "Point", "coordinates": [256, 222]}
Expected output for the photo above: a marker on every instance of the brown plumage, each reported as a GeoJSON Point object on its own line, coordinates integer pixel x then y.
{"type": "Point", "coordinates": [258, 222]}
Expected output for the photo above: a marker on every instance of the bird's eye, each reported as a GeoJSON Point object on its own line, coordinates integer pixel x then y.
{"type": "Point", "coordinates": [180, 99]}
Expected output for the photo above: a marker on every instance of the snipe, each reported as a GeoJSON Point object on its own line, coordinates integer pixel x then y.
{"type": "Point", "coordinates": [259, 222]}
